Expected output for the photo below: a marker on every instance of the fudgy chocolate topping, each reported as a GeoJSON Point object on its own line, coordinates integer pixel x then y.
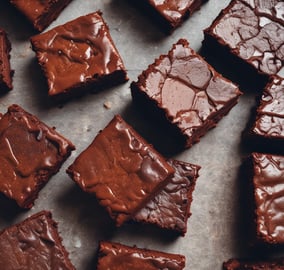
{"type": "Point", "coordinates": [254, 30]}
{"type": "Point", "coordinates": [236, 264]}
{"type": "Point", "coordinates": [170, 208]}
{"type": "Point", "coordinates": [268, 183]}
{"type": "Point", "coordinates": [30, 153]}
{"type": "Point", "coordinates": [121, 169]}
{"type": "Point", "coordinates": [77, 52]}
{"type": "Point", "coordinates": [33, 244]}
{"type": "Point", "coordinates": [120, 257]}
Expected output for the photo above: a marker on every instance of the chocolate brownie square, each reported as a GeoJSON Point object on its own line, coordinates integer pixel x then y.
{"type": "Point", "coordinates": [33, 244]}
{"type": "Point", "coordinates": [5, 69]}
{"type": "Point", "coordinates": [121, 257]}
{"type": "Point", "coordinates": [266, 132]}
{"type": "Point", "coordinates": [121, 169]}
{"type": "Point", "coordinates": [186, 92]}
{"type": "Point", "coordinates": [170, 209]}
{"type": "Point", "coordinates": [31, 152]}
{"type": "Point", "coordinates": [236, 264]}
{"type": "Point", "coordinates": [267, 172]}
{"type": "Point", "coordinates": [170, 13]}
{"type": "Point", "coordinates": [252, 32]}
{"type": "Point", "coordinates": [40, 13]}
{"type": "Point", "coordinates": [78, 55]}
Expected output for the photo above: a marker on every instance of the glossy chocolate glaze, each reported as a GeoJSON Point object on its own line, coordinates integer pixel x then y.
{"type": "Point", "coordinates": [33, 244]}
{"type": "Point", "coordinates": [254, 31]}
{"type": "Point", "coordinates": [170, 209]}
{"type": "Point", "coordinates": [268, 181]}
{"type": "Point", "coordinates": [5, 69]}
{"type": "Point", "coordinates": [31, 153]}
{"type": "Point", "coordinates": [175, 11]}
{"type": "Point", "coordinates": [191, 94]}
{"type": "Point", "coordinates": [236, 264]}
{"type": "Point", "coordinates": [40, 13]}
{"type": "Point", "coordinates": [77, 54]}
{"type": "Point", "coordinates": [121, 169]}
{"type": "Point", "coordinates": [121, 257]}
{"type": "Point", "coordinates": [270, 112]}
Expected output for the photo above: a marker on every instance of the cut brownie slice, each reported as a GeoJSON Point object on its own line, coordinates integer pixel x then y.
{"type": "Point", "coordinates": [236, 264]}
{"type": "Point", "coordinates": [185, 91]}
{"type": "Point", "coordinates": [266, 133]}
{"type": "Point", "coordinates": [170, 209]}
{"type": "Point", "coordinates": [251, 31]}
{"type": "Point", "coordinates": [121, 257]}
{"type": "Point", "coordinates": [79, 54]}
{"type": "Point", "coordinates": [268, 193]}
{"type": "Point", "coordinates": [40, 13]}
{"type": "Point", "coordinates": [31, 152]}
{"type": "Point", "coordinates": [5, 69]}
{"type": "Point", "coordinates": [33, 244]}
{"type": "Point", "coordinates": [121, 169]}
{"type": "Point", "coordinates": [171, 13]}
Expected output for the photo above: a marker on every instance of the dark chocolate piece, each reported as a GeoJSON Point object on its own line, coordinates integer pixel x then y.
{"type": "Point", "coordinates": [268, 194]}
{"type": "Point", "coordinates": [121, 257]}
{"type": "Point", "coordinates": [121, 169]}
{"type": "Point", "coordinates": [186, 91]}
{"type": "Point", "coordinates": [253, 32]}
{"type": "Point", "coordinates": [236, 264]}
{"type": "Point", "coordinates": [40, 13]}
{"type": "Point", "coordinates": [33, 244]}
{"type": "Point", "coordinates": [266, 132]}
{"type": "Point", "coordinates": [79, 54]}
{"type": "Point", "coordinates": [170, 209]}
{"type": "Point", "coordinates": [6, 73]}
{"type": "Point", "coordinates": [31, 152]}
{"type": "Point", "coordinates": [171, 13]}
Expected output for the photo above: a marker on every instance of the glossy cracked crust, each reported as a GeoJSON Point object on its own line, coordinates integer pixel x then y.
{"type": "Point", "coordinates": [121, 169]}
{"type": "Point", "coordinates": [170, 208]}
{"type": "Point", "coordinates": [253, 30]}
{"type": "Point", "coordinates": [190, 94]}
{"type": "Point", "coordinates": [121, 257]}
{"type": "Point", "coordinates": [33, 244]}
{"type": "Point", "coordinates": [40, 13]}
{"type": "Point", "coordinates": [31, 152]}
{"type": "Point", "coordinates": [5, 69]}
{"type": "Point", "coordinates": [78, 54]}
{"type": "Point", "coordinates": [268, 179]}
{"type": "Point", "coordinates": [174, 12]}
{"type": "Point", "coordinates": [236, 264]}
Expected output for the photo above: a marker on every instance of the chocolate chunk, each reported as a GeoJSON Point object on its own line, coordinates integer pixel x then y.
{"type": "Point", "coordinates": [121, 169]}
{"type": "Point", "coordinates": [79, 54]}
{"type": "Point", "coordinates": [121, 257]}
{"type": "Point", "coordinates": [31, 152]}
{"type": "Point", "coordinates": [187, 92]}
{"type": "Point", "coordinates": [40, 13]}
{"type": "Point", "coordinates": [170, 209]}
{"type": "Point", "coordinates": [33, 244]}
{"type": "Point", "coordinates": [5, 69]}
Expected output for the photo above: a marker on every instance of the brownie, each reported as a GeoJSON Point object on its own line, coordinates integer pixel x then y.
{"type": "Point", "coordinates": [5, 69]}
{"type": "Point", "coordinates": [267, 172]}
{"type": "Point", "coordinates": [186, 92]}
{"type": "Point", "coordinates": [31, 152]}
{"type": "Point", "coordinates": [170, 209]}
{"type": "Point", "coordinates": [78, 55]}
{"type": "Point", "coordinates": [121, 169]}
{"type": "Point", "coordinates": [33, 244]}
{"type": "Point", "coordinates": [121, 257]}
{"type": "Point", "coordinates": [236, 264]}
{"type": "Point", "coordinates": [252, 33]}
{"type": "Point", "coordinates": [170, 13]}
{"type": "Point", "coordinates": [40, 13]}
{"type": "Point", "coordinates": [266, 130]}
